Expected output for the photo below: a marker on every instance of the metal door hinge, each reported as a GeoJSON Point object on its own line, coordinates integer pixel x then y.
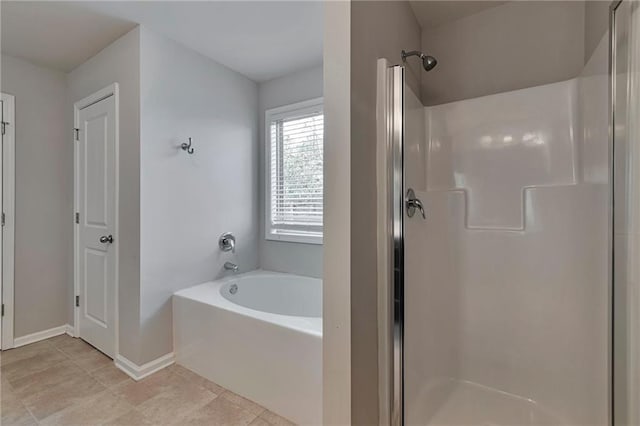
{"type": "Point", "coordinates": [77, 300]}
{"type": "Point", "coordinates": [4, 220]}
{"type": "Point", "coordinates": [2, 310]}
{"type": "Point", "coordinates": [3, 125]}
{"type": "Point", "coordinates": [76, 131]}
{"type": "Point", "coordinates": [77, 217]}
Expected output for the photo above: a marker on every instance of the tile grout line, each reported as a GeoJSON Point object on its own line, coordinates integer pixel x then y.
{"type": "Point", "coordinates": [24, 405]}
{"type": "Point", "coordinates": [20, 400]}
{"type": "Point", "coordinates": [67, 357]}
{"type": "Point", "coordinates": [36, 371]}
{"type": "Point", "coordinates": [260, 416]}
{"type": "Point", "coordinates": [73, 360]}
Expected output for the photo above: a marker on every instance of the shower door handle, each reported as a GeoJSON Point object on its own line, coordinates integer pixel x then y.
{"type": "Point", "coordinates": [412, 203]}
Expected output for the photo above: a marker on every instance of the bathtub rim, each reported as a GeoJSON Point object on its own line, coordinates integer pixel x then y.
{"type": "Point", "coordinates": [208, 293]}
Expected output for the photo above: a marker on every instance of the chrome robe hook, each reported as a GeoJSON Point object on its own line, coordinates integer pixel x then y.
{"type": "Point", "coordinates": [187, 147]}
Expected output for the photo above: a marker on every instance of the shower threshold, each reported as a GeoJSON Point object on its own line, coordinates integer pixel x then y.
{"type": "Point", "coordinates": [458, 403]}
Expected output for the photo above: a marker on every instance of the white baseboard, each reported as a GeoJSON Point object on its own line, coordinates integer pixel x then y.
{"type": "Point", "coordinates": [40, 335]}
{"type": "Point", "coordinates": [138, 372]}
{"type": "Point", "coordinates": [70, 330]}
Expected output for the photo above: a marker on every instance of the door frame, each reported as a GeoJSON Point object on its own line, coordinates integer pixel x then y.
{"type": "Point", "coordinates": [110, 90]}
{"type": "Point", "coordinates": [8, 228]}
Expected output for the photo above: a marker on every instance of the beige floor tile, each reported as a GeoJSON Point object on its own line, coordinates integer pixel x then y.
{"type": "Point", "coordinates": [275, 420]}
{"type": "Point", "coordinates": [163, 374]}
{"type": "Point", "coordinates": [245, 403]}
{"type": "Point", "coordinates": [166, 380]}
{"type": "Point", "coordinates": [169, 374]}
{"type": "Point", "coordinates": [4, 383]}
{"type": "Point", "coordinates": [163, 381]}
{"type": "Point", "coordinates": [24, 352]}
{"type": "Point", "coordinates": [259, 421]}
{"type": "Point", "coordinates": [110, 375]}
{"type": "Point", "coordinates": [23, 367]}
{"type": "Point", "coordinates": [131, 418]}
{"type": "Point", "coordinates": [73, 391]}
{"type": "Point", "coordinates": [175, 404]}
{"type": "Point", "coordinates": [92, 361]}
{"type": "Point", "coordinates": [98, 409]}
{"type": "Point", "coordinates": [220, 412]}
{"type": "Point", "coordinates": [75, 347]}
{"type": "Point", "coordinates": [61, 340]}
{"type": "Point", "coordinates": [212, 387]}
{"type": "Point", "coordinates": [45, 379]}
{"type": "Point", "coordinates": [135, 393]}
{"type": "Point", "coordinates": [65, 381]}
{"type": "Point", "coordinates": [199, 380]}
{"type": "Point", "coordinates": [18, 418]}
{"type": "Point", "coordinates": [13, 411]}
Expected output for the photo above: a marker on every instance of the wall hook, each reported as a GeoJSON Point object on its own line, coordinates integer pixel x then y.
{"type": "Point", "coordinates": [187, 147]}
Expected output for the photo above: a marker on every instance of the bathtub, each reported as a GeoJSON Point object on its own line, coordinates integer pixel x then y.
{"type": "Point", "coordinates": [258, 334]}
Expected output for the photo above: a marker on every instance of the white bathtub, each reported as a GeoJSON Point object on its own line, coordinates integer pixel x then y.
{"type": "Point", "coordinates": [258, 334]}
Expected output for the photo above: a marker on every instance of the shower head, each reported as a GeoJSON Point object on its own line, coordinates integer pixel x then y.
{"type": "Point", "coordinates": [428, 62]}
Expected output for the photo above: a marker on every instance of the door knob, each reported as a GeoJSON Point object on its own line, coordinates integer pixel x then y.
{"type": "Point", "coordinates": [413, 204]}
{"type": "Point", "coordinates": [106, 239]}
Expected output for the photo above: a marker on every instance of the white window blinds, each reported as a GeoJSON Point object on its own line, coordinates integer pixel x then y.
{"type": "Point", "coordinates": [295, 164]}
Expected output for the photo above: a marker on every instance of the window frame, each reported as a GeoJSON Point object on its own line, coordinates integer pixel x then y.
{"type": "Point", "coordinates": [300, 235]}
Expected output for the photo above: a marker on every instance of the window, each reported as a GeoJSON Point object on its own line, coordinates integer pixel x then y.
{"type": "Point", "coordinates": [294, 189]}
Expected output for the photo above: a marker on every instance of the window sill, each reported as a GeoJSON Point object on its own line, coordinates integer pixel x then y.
{"type": "Point", "coordinates": [294, 237]}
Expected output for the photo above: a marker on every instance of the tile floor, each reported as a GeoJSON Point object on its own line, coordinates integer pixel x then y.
{"type": "Point", "coordinates": [65, 381]}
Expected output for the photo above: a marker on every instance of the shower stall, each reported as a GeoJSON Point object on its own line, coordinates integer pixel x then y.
{"type": "Point", "coordinates": [510, 225]}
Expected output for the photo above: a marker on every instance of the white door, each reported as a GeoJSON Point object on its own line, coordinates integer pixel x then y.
{"type": "Point", "coordinates": [2, 284]}
{"type": "Point", "coordinates": [96, 192]}
{"type": "Point", "coordinates": [7, 167]}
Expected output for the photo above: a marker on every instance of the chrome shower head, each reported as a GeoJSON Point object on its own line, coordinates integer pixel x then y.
{"type": "Point", "coordinates": [428, 62]}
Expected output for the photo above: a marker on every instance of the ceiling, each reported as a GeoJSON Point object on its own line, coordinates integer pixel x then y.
{"type": "Point", "coordinates": [431, 14]}
{"type": "Point", "coordinates": [56, 35]}
{"type": "Point", "coordinates": [260, 39]}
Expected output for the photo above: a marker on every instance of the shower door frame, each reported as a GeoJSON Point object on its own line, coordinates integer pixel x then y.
{"type": "Point", "coordinates": [396, 181]}
{"type": "Point", "coordinates": [611, 133]}
{"type": "Point", "coordinates": [632, 361]}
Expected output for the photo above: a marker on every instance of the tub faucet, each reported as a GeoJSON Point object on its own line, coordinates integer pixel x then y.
{"type": "Point", "coordinates": [230, 266]}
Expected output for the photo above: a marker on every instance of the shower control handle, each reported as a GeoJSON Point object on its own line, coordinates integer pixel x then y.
{"type": "Point", "coordinates": [227, 242]}
{"type": "Point", "coordinates": [412, 203]}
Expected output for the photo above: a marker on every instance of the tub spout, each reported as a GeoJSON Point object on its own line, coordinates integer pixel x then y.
{"type": "Point", "coordinates": [230, 266]}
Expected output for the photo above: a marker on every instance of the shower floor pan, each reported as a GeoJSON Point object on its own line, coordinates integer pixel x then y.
{"type": "Point", "coordinates": [461, 403]}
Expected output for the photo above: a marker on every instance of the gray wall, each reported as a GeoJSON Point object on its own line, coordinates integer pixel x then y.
{"type": "Point", "coordinates": [596, 24]}
{"type": "Point", "coordinates": [512, 46]}
{"type": "Point", "coordinates": [295, 258]}
{"type": "Point", "coordinates": [336, 276]}
{"type": "Point", "coordinates": [378, 30]}
{"type": "Point", "coordinates": [120, 62]}
{"type": "Point", "coordinates": [44, 196]}
{"type": "Point", "coordinates": [188, 201]}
